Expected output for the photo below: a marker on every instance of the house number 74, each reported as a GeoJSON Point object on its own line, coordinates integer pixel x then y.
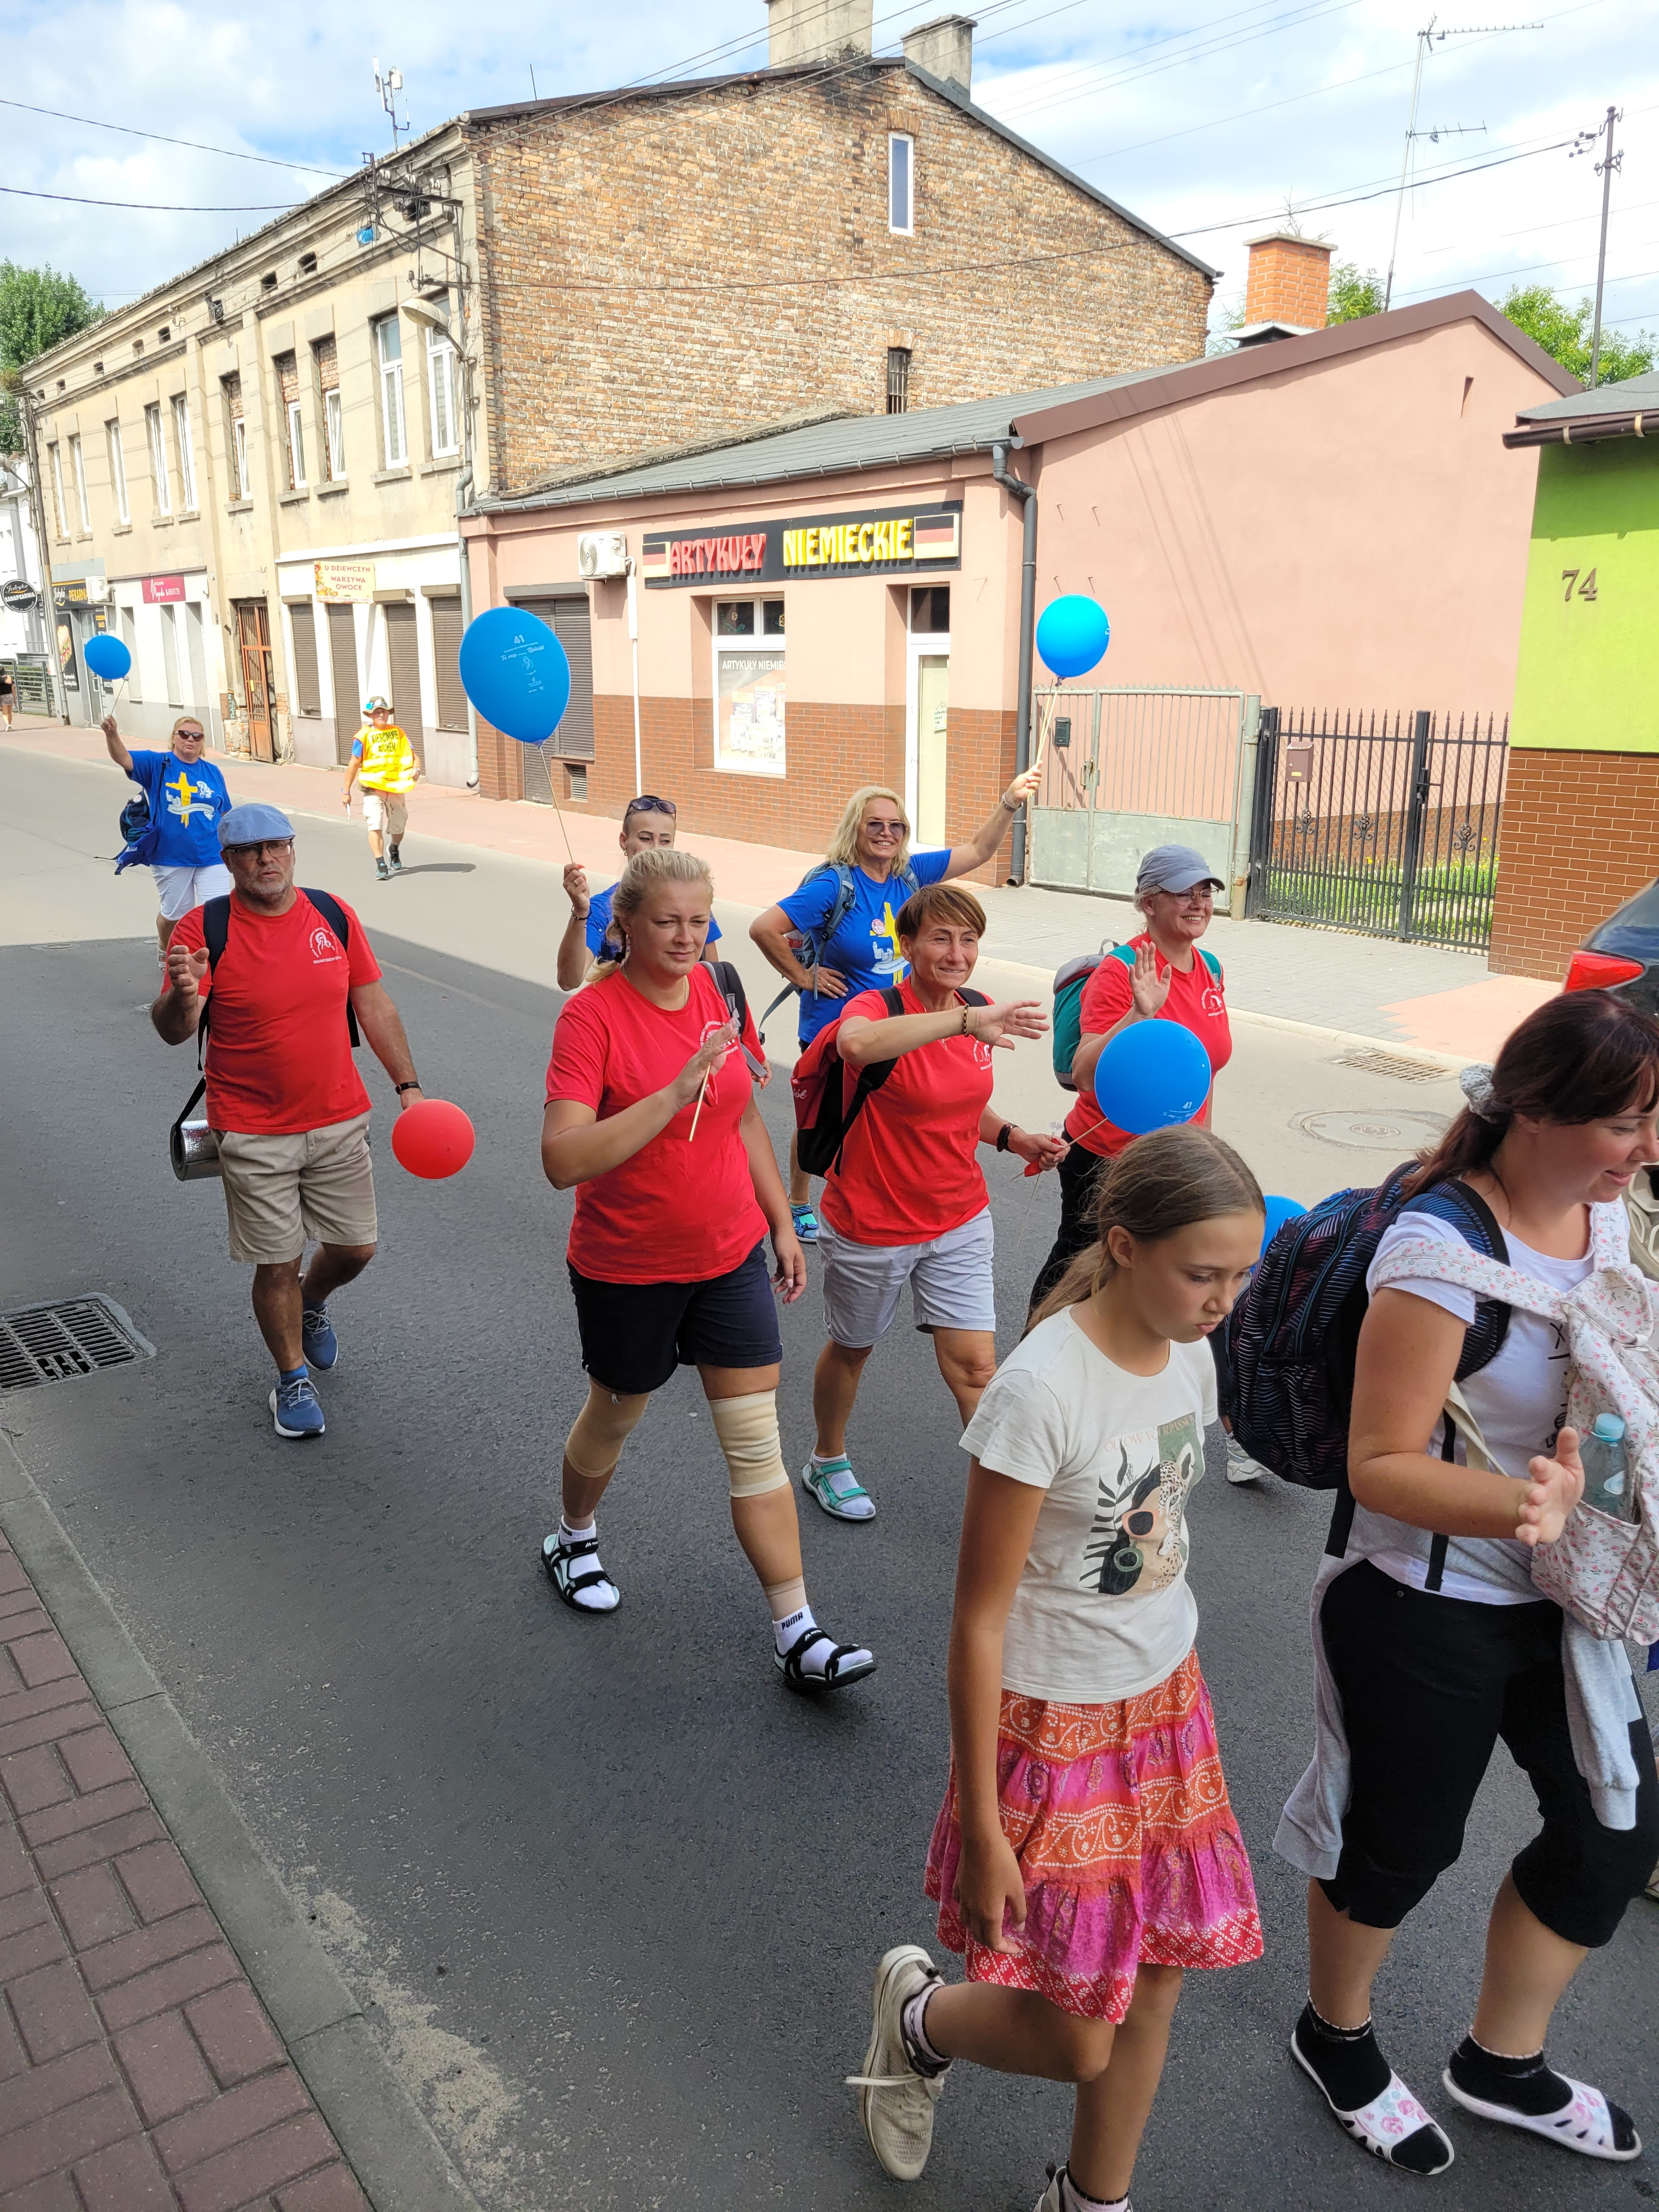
{"type": "Point", "coordinates": [1586, 590]}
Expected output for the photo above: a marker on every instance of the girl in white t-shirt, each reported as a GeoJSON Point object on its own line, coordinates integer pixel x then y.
{"type": "Point", "coordinates": [1086, 1852]}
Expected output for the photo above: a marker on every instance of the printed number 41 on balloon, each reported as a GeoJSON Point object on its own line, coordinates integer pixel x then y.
{"type": "Point", "coordinates": [516, 673]}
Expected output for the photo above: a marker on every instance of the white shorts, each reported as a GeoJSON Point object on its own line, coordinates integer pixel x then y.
{"type": "Point", "coordinates": [179, 890]}
{"type": "Point", "coordinates": [385, 810]}
{"type": "Point", "coordinates": [950, 1279]}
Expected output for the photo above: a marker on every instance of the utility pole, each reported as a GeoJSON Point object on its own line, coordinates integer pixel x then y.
{"type": "Point", "coordinates": [1609, 163]}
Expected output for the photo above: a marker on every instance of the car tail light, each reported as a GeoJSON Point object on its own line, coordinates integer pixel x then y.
{"type": "Point", "coordinates": [1599, 971]}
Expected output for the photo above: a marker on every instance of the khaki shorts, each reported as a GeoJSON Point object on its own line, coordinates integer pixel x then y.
{"type": "Point", "coordinates": [385, 810]}
{"type": "Point", "coordinates": [280, 1190]}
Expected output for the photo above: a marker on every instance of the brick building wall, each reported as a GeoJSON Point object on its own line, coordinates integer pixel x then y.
{"type": "Point", "coordinates": [1578, 838]}
{"type": "Point", "coordinates": [586, 213]}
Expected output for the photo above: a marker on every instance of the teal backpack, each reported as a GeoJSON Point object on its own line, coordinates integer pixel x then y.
{"type": "Point", "coordinates": [1070, 980]}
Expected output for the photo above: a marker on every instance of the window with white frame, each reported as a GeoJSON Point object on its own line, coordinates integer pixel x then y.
{"type": "Point", "coordinates": [296, 447]}
{"type": "Point", "coordinates": [901, 183]}
{"type": "Point", "coordinates": [184, 446]}
{"type": "Point", "coordinates": [749, 686]}
{"type": "Point", "coordinates": [389, 354]}
{"type": "Point", "coordinates": [440, 387]}
{"type": "Point", "coordinates": [334, 423]}
{"type": "Point", "coordinates": [78, 462]}
{"type": "Point", "coordinates": [156, 438]}
{"type": "Point", "coordinates": [55, 452]}
{"type": "Point", "coordinates": [235, 435]}
{"type": "Point", "coordinates": [117, 473]}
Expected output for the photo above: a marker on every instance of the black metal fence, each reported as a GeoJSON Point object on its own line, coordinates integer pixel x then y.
{"type": "Point", "coordinates": [1384, 824]}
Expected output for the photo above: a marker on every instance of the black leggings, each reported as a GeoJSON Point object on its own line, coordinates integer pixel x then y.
{"type": "Point", "coordinates": [1078, 1192]}
{"type": "Point", "coordinates": [1429, 1684]}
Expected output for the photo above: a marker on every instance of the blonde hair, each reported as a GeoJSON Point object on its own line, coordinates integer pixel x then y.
{"type": "Point", "coordinates": [180, 725]}
{"type": "Point", "coordinates": [1162, 1182]}
{"type": "Point", "coordinates": [842, 850]}
{"type": "Point", "coordinates": [656, 864]}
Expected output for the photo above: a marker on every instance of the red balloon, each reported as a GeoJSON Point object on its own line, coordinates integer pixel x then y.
{"type": "Point", "coordinates": [433, 1139]}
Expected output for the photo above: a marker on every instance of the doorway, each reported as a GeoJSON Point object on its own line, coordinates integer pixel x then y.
{"type": "Point", "coordinates": [258, 686]}
{"type": "Point", "coordinates": [927, 700]}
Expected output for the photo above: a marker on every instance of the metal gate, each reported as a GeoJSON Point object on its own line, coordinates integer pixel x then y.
{"type": "Point", "coordinates": [1386, 824]}
{"type": "Point", "coordinates": [1124, 770]}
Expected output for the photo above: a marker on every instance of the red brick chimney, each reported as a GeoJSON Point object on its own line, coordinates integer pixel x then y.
{"type": "Point", "coordinates": [1289, 280]}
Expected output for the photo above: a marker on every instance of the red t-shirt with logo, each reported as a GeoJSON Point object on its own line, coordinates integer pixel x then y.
{"type": "Point", "coordinates": [1197, 1000]}
{"type": "Point", "coordinates": [279, 1053]}
{"type": "Point", "coordinates": [909, 1170]}
{"type": "Point", "coordinates": [678, 1212]}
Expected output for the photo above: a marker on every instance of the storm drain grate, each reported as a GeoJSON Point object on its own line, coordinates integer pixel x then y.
{"type": "Point", "coordinates": [1375, 1063]}
{"type": "Point", "coordinates": [57, 1343]}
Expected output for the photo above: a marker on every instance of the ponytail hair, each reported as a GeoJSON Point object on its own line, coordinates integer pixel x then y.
{"type": "Point", "coordinates": [657, 863]}
{"type": "Point", "coordinates": [1163, 1183]}
{"type": "Point", "coordinates": [1582, 1057]}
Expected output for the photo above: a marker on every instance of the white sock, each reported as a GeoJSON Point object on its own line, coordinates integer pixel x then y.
{"type": "Point", "coordinates": [793, 1626]}
{"type": "Point", "coordinates": [1072, 2199]}
{"type": "Point", "coordinates": [568, 1536]}
{"type": "Point", "coordinates": [827, 1459]}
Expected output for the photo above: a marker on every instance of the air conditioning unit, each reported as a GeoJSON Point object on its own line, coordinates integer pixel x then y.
{"type": "Point", "coordinates": [97, 591]}
{"type": "Point", "coordinates": [601, 553]}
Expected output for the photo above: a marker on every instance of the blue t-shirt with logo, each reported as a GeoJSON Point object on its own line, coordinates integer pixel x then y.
{"type": "Point", "coordinates": [599, 920]}
{"type": "Point", "coordinates": [865, 947]}
{"type": "Point", "coordinates": [185, 804]}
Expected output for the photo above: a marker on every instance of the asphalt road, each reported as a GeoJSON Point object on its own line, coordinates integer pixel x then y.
{"type": "Point", "coordinates": [616, 1895]}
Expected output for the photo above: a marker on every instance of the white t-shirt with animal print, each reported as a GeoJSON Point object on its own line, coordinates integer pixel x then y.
{"type": "Point", "coordinates": [1103, 1610]}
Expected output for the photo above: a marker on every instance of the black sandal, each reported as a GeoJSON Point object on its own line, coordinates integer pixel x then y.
{"type": "Point", "coordinates": [835, 1676]}
{"type": "Point", "coordinates": [557, 1562]}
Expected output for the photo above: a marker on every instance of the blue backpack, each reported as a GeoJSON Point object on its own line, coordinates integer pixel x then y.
{"type": "Point", "coordinates": [814, 940]}
{"type": "Point", "coordinates": [139, 837]}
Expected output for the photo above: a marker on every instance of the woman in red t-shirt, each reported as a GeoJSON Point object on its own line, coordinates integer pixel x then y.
{"type": "Point", "coordinates": [1171, 981]}
{"type": "Point", "coordinates": [906, 1202]}
{"type": "Point", "coordinates": [651, 1118]}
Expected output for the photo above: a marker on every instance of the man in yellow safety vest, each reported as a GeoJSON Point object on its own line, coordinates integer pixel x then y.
{"type": "Point", "coordinates": [383, 760]}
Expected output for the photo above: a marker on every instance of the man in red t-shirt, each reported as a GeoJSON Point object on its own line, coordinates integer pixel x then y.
{"type": "Point", "coordinates": [283, 1095]}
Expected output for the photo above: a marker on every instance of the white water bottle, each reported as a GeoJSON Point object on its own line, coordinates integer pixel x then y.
{"type": "Point", "coordinates": [1606, 1467]}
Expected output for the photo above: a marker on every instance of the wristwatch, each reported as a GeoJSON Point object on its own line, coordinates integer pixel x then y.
{"type": "Point", "coordinates": [402, 1087]}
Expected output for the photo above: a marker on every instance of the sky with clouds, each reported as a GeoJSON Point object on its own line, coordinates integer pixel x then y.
{"type": "Point", "coordinates": [1206, 119]}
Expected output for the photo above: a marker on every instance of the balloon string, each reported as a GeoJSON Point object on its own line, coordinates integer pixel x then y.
{"type": "Point", "coordinates": [542, 749]}
{"type": "Point", "coordinates": [702, 1088]}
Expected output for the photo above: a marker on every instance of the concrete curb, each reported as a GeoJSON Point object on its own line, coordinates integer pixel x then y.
{"type": "Point", "coordinates": [385, 2138]}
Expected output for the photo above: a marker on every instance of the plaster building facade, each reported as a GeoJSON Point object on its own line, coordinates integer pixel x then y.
{"type": "Point", "coordinates": [254, 472]}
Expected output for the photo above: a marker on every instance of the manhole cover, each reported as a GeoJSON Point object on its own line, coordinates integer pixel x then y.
{"type": "Point", "coordinates": [1372, 1061]}
{"type": "Point", "coordinates": [57, 1343]}
{"type": "Point", "coordinates": [1380, 1130]}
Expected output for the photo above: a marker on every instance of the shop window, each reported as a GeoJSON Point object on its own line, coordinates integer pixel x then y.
{"type": "Point", "coordinates": [389, 354]}
{"type": "Point", "coordinates": [901, 184]}
{"type": "Point", "coordinates": [749, 686]}
{"type": "Point", "coordinates": [930, 610]}
{"type": "Point", "coordinates": [156, 438]}
{"type": "Point", "coordinates": [117, 474]}
{"type": "Point", "coordinates": [184, 445]}
{"type": "Point", "coordinates": [898, 380]}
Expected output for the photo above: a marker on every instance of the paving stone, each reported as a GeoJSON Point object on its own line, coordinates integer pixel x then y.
{"type": "Point", "coordinates": [31, 1947]}
{"type": "Point", "coordinates": [106, 1841]}
{"type": "Point", "coordinates": [166, 2071]}
{"type": "Point", "coordinates": [125, 2178]}
{"type": "Point", "coordinates": [53, 2012]}
{"type": "Point", "coordinates": [174, 1984]}
{"type": "Point", "coordinates": [13, 2059]}
{"type": "Point", "coordinates": [55, 2194]}
{"type": "Point", "coordinates": [49, 1719]}
{"type": "Point", "coordinates": [157, 1880]}
{"type": "Point", "coordinates": [94, 1758]}
{"type": "Point", "coordinates": [43, 1658]}
{"type": "Point", "coordinates": [23, 1908]}
{"type": "Point", "coordinates": [62, 2137]}
{"type": "Point", "coordinates": [49, 2088]}
{"type": "Point", "coordinates": [57, 1821]}
{"type": "Point", "coordinates": [93, 1906]}
{"type": "Point", "coordinates": [226, 2183]}
{"type": "Point", "coordinates": [334, 2189]}
{"type": "Point", "coordinates": [237, 2038]}
{"type": "Point", "coordinates": [21, 1705]}
{"type": "Point", "coordinates": [31, 1779]}
{"type": "Point", "coordinates": [110, 1963]}
{"type": "Point", "coordinates": [235, 2116]}
{"type": "Point", "coordinates": [16, 1874]}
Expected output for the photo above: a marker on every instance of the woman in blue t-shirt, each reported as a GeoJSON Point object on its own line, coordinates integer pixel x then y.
{"type": "Point", "coordinates": [869, 857]}
{"type": "Point", "coordinates": [186, 797]}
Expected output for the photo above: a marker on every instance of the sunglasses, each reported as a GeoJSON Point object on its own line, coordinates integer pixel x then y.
{"type": "Point", "coordinates": [647, 803]}
{"type": "Point", "coordinates": [196, 734]}
{"type": "Point", "coordinates": [893, 829]}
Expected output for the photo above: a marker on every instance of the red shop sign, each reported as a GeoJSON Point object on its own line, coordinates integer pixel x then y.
{"type": "Point", "coordinates": [163, 590]}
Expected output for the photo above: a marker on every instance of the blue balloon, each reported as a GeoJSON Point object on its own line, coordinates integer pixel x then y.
{"type": "Point", "coordinates": [515, 672]}
{"type": "Point", "coordinates": [1150, 1075]}
{"type": "Point", "coordinates": [1072, 634]}
{"type": "Point", "coordinates": [1279, 1211]}
{"type": "Point", "coordinates": [108, 657]}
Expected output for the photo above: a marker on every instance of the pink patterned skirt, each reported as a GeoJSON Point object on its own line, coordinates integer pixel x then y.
{"type": "Point", "coordinates": [1119, 1817]}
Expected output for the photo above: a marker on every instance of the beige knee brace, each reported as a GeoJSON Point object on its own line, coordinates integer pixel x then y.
{"type": "Point", "coordinates": [602, 1428]}
{"type": "Point", "coordinates": [748, 1431]}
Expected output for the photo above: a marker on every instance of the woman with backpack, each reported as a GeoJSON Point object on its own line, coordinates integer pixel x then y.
{"type": "Point", "coordinates": [843, 917]}
{"type": "Point", "coordinates": [905, 1200]}
{"type": "Point", "coordinates": [651, 1119]}
{"type": "Point", "coordinates": [1432, 1638]}
{"type": "Point", "coordinates": [1086, 1852]}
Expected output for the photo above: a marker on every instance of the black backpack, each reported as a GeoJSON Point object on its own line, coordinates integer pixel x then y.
{"type": "Point", "coordinates": [823, 1113]}
{"type": "Point", "coordinates": [216, 935]}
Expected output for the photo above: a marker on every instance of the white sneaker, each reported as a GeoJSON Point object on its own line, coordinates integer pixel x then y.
{"type": "Point", "coordinates": [1241, 1468]}
{"type": "Point", "coordinates": [895, 2103]}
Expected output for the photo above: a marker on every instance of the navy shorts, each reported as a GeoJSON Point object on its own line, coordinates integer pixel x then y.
{"type": "Point", "coordinates": [636, 1335]}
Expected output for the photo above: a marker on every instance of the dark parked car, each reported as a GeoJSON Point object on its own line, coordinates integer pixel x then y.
{"type": "Point", "coordinates": [1622, 953]}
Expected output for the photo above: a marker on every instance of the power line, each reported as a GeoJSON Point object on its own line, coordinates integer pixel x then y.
{"type": "Point", "coordinates": [129, 131]}
{"type": "Point", "coordinates": [149, 206]}
{"type": "Point", "coordinates": [1526, 268]}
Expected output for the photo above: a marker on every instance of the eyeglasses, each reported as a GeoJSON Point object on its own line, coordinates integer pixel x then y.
{"type": "Point", "coordinates": [196, 734]}
{"type": "Point", "coordinates": [277, 845]}
{"type": "Point", "coordinates": [647, 803]}
{"type": "Point", "coordinates": [893, 829]}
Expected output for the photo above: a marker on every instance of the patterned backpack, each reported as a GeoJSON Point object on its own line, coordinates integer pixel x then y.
{"type": "Point", "coordinates": [1605, 1573]}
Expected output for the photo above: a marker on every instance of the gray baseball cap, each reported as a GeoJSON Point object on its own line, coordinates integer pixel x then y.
{"type": "Point", "coordinates": [1174, 868]}
{"type": "Point", "coordinates": [253, 824]}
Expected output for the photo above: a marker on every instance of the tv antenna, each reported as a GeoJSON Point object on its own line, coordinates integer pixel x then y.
{"type": "Point", "coordinates": [389, 85]}
{"type": "Point", "coordinates": [1434, 35]}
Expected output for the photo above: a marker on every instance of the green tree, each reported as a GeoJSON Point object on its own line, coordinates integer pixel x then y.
{"type": "Point", "coordinates": [39, 308]}
{"type": "Point", "coordinates": [1564, 333]}
{"type": "Point", "coordinates": [1354, 293]}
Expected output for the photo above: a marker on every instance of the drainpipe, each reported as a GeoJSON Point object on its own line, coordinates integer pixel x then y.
{"type": "Point", "coordinates": [1026, 494]}
{"type": "Point", "coordinates": [463, 497]}
{"type": "Point", "coordinates": [634, 640]}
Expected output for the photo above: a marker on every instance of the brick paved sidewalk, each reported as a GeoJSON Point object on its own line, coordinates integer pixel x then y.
{"type": "Point", "coordinates": [138, 2070]}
